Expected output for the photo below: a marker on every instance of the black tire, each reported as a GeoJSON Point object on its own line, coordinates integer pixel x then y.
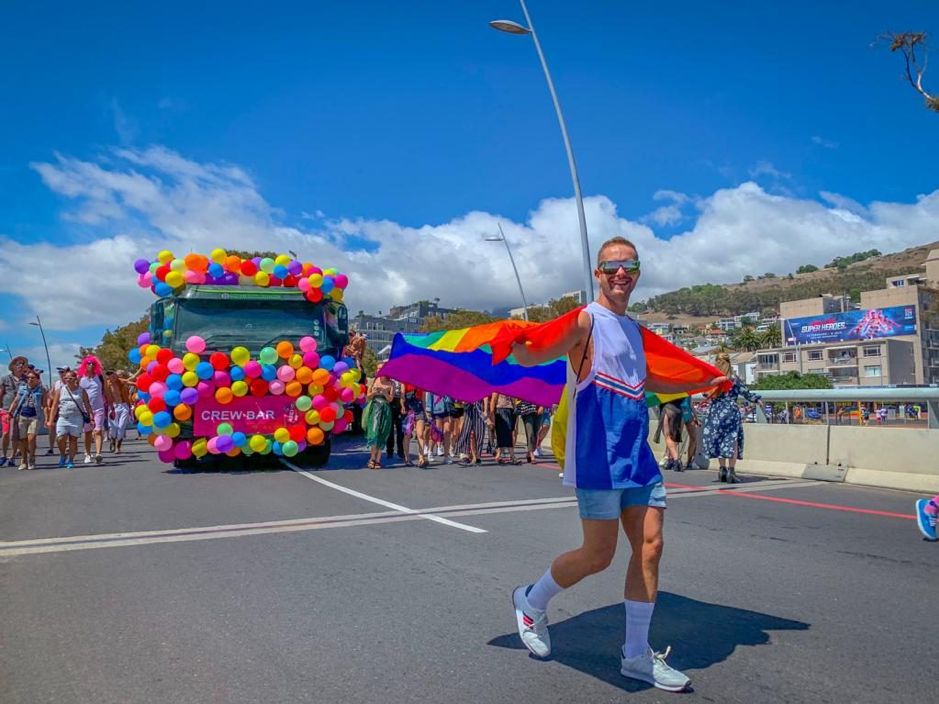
{"type": "Point", "coordinates": [189, 463]}
{"type": "Point", "coordinates": [318, 455]}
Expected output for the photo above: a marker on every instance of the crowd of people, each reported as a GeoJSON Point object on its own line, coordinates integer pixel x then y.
{"type": "Point", "coordinates": [447, 429]}
{"type": "Point", "coordinates": [86, 403]}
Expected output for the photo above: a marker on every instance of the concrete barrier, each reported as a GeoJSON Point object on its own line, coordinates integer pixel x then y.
{"type": "Point", "coordinates": [891, 458]}
{"type": "Point", "coordinates": [887, 457]}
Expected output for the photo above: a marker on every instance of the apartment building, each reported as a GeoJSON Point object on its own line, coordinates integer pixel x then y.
{"type": "Point", "coordinates": [887, 362]}
{"type": "Point", "coordinates": [891, 339]}
{"type": "Point", "coordinates": [380, 332]}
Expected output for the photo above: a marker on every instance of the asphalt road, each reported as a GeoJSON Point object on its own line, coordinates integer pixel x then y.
{"type": "Point", "coordinates": [131, 582]}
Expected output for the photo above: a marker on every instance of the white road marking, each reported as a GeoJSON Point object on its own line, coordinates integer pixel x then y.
{"type": "Point", "coordinates": [396, 515]}
{"type": "Point", "coordinates": [113, 540]}
{"type": "Point", "coordinates": [380, 502]}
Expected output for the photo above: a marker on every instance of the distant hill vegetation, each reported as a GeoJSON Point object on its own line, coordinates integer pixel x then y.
{"type": "Point", "coordinates": [862, 271]}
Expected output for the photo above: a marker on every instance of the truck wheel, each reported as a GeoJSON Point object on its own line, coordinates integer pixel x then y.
{"type": "Point", "coordinates": [188, 464]}
{"type": "Point", "coordinates": [318, 455]}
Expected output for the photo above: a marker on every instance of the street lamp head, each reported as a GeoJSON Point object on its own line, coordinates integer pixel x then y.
{"type": "Point", "coordinates": [509, 26]}
{"type": "Point", "coordinates": [493, 238]}
{"type": "Point", "coordinates": [35, 324]}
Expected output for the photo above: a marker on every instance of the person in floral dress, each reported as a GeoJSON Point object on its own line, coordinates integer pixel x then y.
{"type": "Point", "coordinates": [723, 428]}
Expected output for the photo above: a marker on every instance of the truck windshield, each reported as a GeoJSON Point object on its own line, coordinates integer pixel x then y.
{"type": "Point", "coordinates": [251, 323]}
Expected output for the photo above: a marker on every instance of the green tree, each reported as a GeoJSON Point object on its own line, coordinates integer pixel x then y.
{"type": "Point", "coordinates": [771, 337]}
{"type": "Point", "coordinates": [806, 269]}
{"type": "Point", "coordinates": [747, 279]}
{"type": "Point", "coordinates": [244, 254]}
{"type": "Point", "coordinates": [745, 339]}
{"type": "Point", "coordinates": [555, 309]}
{"type": "Point", "coordinates": [114, 346]}
{"type": "Point", "coordinates": [456, 321]}
{"type": "Point", "coordinates": [792, 380]}
{"type": "Point", "coordinates": [369, 363]}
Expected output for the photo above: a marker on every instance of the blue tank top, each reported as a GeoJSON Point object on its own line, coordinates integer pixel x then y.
{"type": "Point", "coordinates": [608, 422]}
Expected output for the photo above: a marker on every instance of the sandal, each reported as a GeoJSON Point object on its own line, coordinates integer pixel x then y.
{"type": "Point", "coordinates": [408, 462]}
{"type": "Point", "coordinates": [371, 464]}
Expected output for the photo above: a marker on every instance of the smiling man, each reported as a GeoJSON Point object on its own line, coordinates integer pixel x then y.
{"type": "Point", "coordinates": [610, 464]}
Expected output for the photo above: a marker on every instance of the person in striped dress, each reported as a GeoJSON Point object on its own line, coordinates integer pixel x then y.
{"type": "Point", "coordinates": [473, 432]}
{"type": "Point", "coordinates": [609, 463]}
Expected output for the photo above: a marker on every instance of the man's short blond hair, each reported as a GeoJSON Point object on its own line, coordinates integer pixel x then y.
{"type": "Point", "coordinates": [612, 241]}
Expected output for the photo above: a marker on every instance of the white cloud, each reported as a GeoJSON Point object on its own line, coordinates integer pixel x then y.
{"type": "Point", "coordinates": [764, 168]}
{"type": "Point", "coordinates": [822, 142]}
{"type": "Point", "coordinates": [142, 201]}
{"type": "Point", "coordinates": [667, 214]}
{"type": "Point", "coordinates": [125, 126]}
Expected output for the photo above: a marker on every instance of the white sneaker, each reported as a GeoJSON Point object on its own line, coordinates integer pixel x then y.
{"type": "Point", "coordinates": [23, 466]}
{"type": "Point", "coordinates": [651, 668]}
{"type": "Point", "coordinates": [537, 452]}
{"type": "Point", "coordinates": [88, 459]}
{"type": "Point", "coordinates": [449, 460]}
{"type": "Point", "coordinates": [439, 451]}
{"type": "Point", "coordinates": [532, 625]}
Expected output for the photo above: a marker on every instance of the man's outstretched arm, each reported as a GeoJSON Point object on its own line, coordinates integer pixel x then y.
{"type": "Point", "coordinates": [569, 339]}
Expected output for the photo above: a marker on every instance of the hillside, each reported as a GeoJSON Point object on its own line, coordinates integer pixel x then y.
{"type": "Point", "coordinates": [711, 300]}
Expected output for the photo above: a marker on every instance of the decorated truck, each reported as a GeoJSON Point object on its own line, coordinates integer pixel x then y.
{"type": "Point", "coordinates": [243, 358]}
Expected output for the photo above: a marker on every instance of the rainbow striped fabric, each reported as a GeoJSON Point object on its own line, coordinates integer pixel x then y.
{"type": "Point", "coordinates": [471, 363]}
{"type": "Point", "coordinates": [433, 363]}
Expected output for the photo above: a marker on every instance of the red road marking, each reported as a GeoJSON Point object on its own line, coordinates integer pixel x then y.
{"type": "Point", "coordinates": [813, 504]}
{"type": "Point", "coordinates": [764, 497]}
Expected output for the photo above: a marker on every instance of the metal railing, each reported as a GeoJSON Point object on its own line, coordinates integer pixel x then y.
{"type": "Point", "coordinates": [925, 395]}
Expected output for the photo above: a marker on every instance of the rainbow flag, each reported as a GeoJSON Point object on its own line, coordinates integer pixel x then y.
{"type": "Point", "coordinates": [439, 363]}
{"type": "Point", "coordinates": [472, 363]}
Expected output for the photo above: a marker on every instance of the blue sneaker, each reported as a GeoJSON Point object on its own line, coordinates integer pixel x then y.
{"type": "Point", "coordinates": [62, 460]}
{"type": "Point", "coordinates": [926, 521]}
{"type": "Point", "coordinates": [69, 465]}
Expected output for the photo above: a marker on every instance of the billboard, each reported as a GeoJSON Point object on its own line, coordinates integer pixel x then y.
{"type": "Point", "coordinates": [851, 325]}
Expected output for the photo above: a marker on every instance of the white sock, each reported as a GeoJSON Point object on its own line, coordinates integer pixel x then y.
{"type": "Point", "coordinates": [638, 618]}
{"type": "Point", "coordinates": [542, 591]}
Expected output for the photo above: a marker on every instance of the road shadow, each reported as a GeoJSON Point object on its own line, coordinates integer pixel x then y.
{"type": "Point", "coordinates": [702, 634]}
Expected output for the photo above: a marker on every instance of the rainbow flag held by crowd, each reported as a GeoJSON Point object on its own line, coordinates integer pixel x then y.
{"type": "Point", "coordinates": [472, 363]}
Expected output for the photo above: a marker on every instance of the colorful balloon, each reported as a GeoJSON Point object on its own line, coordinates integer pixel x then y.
{"type": "Point", "coordinates": [240, 356]}
{"type": "Point", "coordinates": [268, 355]}
{"type": "Point", "coordinates": [195, 344]}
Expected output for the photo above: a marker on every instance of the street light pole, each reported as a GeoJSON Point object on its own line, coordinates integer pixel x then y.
{"type": "Point", "coordinates": [514, 268]}
{"type": "Point", "coordinates": [38, 324]}
{"type": "Point", "coordinates": [515, 28]}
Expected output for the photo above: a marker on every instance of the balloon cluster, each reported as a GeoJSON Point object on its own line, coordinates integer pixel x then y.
{"type": "Point", "coordinates": [170, 388]}
{"type": "Point", "coordinates": [168, 275]}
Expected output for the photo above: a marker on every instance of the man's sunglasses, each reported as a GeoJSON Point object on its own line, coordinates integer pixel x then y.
{"type": "Point", "coordinates": [631, 266]}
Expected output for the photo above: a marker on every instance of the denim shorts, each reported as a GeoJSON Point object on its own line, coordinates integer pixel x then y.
{"type": "Point", "coordinates": [608, 504]}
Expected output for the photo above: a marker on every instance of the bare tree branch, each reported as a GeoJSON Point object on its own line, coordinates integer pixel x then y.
{"type": "Point", "coordinates": [907, 43]}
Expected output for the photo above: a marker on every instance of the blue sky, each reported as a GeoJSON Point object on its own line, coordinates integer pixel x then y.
{"type": "Point", "coordinates": [374, 121]}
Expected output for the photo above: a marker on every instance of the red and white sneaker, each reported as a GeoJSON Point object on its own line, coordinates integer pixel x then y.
{"type": "Point", "coordinates": [532, 625]}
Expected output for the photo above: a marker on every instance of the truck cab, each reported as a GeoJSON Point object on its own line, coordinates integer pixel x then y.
{"type": "Point", "coordinates": [232, 316]}
{"type": "Point", "coordinates": [251, 317]}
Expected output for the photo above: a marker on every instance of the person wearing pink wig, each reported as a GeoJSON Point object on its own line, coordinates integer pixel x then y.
{"type": "Point", "coordinates": [91, 383]}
